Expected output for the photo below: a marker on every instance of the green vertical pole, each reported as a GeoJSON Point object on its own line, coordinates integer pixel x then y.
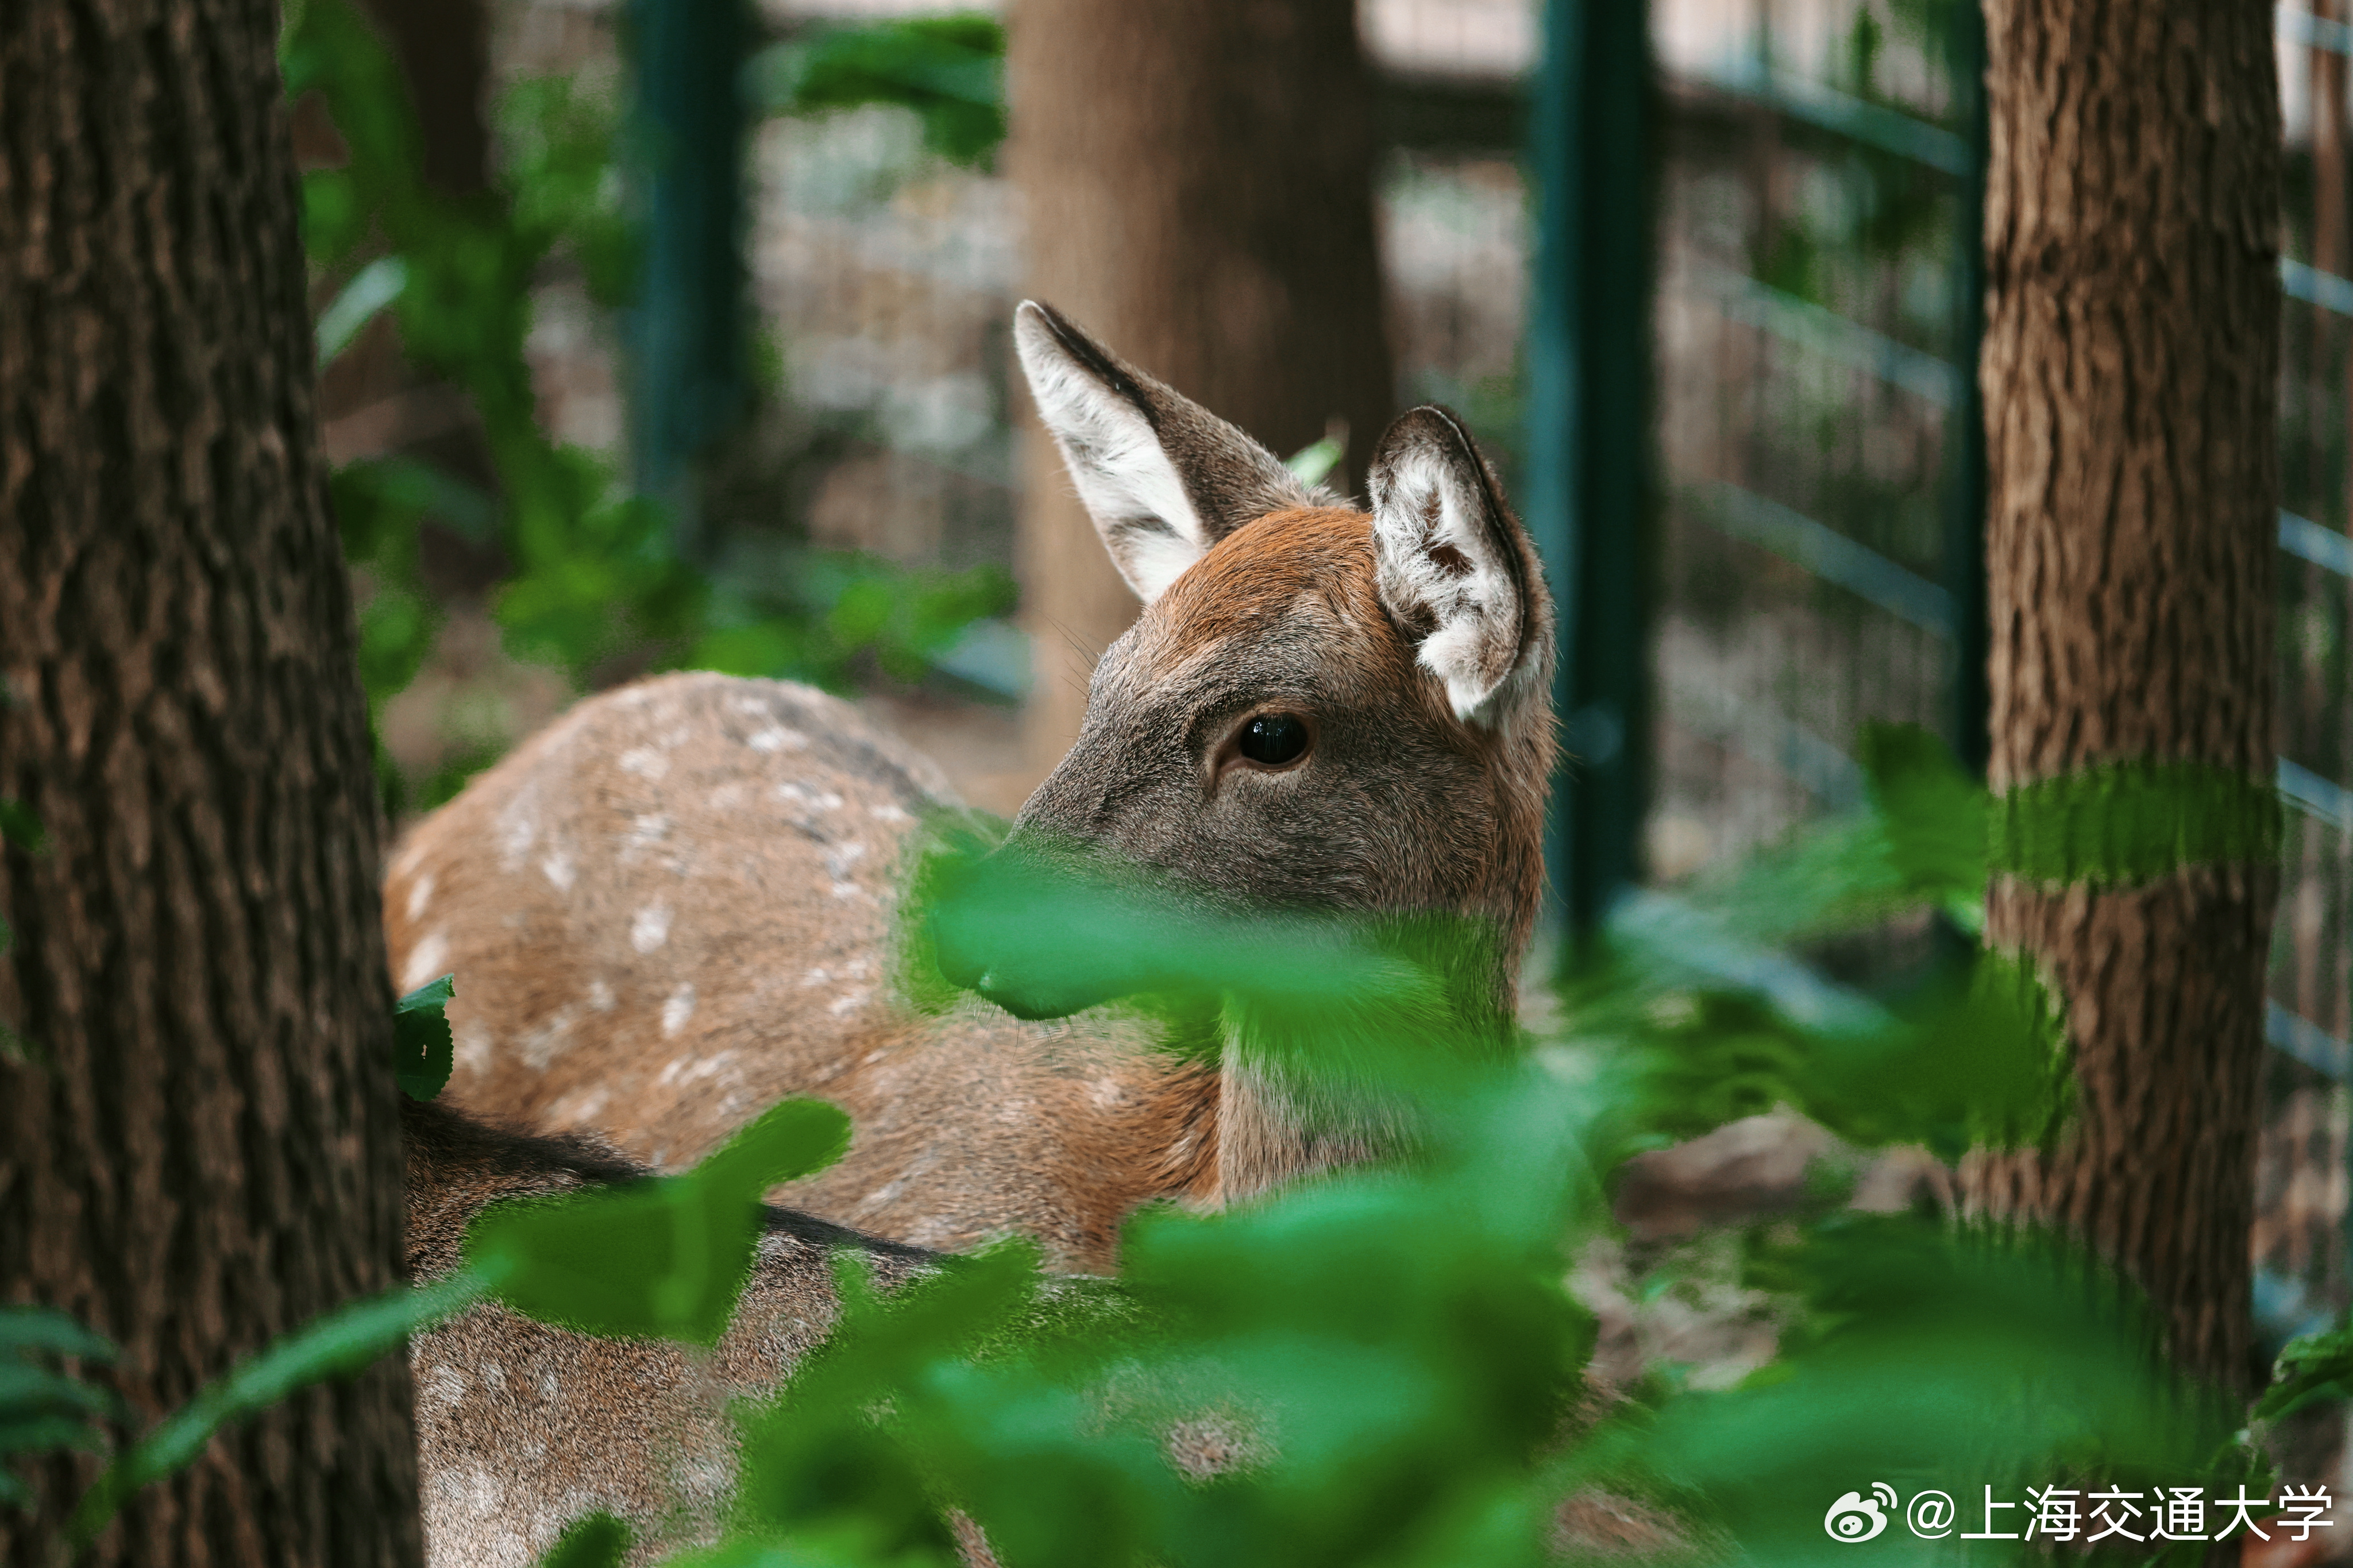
{"type": "Point", "coordinates": [1966, 486]}
{"type": "Point", "coordinates": [685, 331]}
{"type": "Point", "coordinates": [1588, 481]}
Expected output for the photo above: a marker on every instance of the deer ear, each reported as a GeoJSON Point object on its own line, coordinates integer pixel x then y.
{"type": "Point", "coordinates": [1162, 477]}
{"type": "Point", "coordinates": [1457, 571]}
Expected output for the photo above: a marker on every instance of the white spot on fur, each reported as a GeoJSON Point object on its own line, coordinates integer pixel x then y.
{"type": "Point", "coordinates": [727, 797]}
{"type": "Point", "coordinates": [471, 1047]}
{"type": "Point", "coordinates": [444, 1385]}
{"type": "Point", "coordinates": [557, 866]}
{"type": "Point", "coordinates": [650, 928]}
{"type": "Point", "coordinates": [1105, 1093]}
{"type": "Point", "coordinates": [516, 830]}
{"type": "Point", "coordinates": [777, 737]}
{"type": "Point", "coordinates": [600, 995]}
{"type": "Point", "coordinates": [548, 1388]}
{"type": "Point", "coordinates": [426, 961]}
{"type": "Point", "coordinates": [695, 1069]}
{"type": "Point", "coordinates": [645, 831]}
{"type": "Point", "coordinates": [677, 1010]}
{"type": "Point", "coordinates": [643, 760]}
{"type": "Point", "coordinates": [420, 893]}
{"type": "Point", "coordinates": [887, 812]}
{"type": "Point", "coordinates": [586, 1106]}
{"type": "Point", "coordinates": [816, 800]}
{"type": "Point", "coordinates": [816, 977]}
{"type": "Point", "coordinates": [850, 1001]}
{"type": "Point", "coordinates": [544, 1044]}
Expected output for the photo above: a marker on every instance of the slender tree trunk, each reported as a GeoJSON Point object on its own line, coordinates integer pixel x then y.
{"type": "Point", "coordinates": [200, 1148]}
{"type": "Point", "coordinates": [2130, 371]}
{"type": "Point", "coordinates": [1197, 182]}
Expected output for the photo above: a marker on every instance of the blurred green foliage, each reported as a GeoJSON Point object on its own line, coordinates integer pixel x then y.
{"type": "Point", "coordinates": [1385, 1364]}
{"type": "Point", "coordinates": [684, 1245]}
{"type": "Point", "coordinates": [42, 1407]}
{"type": "Point", "coordinates": [949, 69]}
{"type": "Point", "coordinates": [591, 573]}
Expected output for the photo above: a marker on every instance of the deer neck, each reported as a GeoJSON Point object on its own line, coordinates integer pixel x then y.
{"type": "Point", "coordinates": [1273, 1130]}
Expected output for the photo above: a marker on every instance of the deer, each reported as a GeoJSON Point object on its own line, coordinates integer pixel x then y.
{"type": "Point", "coordinates": [675, 906]}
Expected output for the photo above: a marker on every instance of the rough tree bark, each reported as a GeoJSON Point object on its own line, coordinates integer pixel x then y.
{"type": "Point", "coordinates": [201, 1150]}
{"type": "Point", "coordinates": [2130, 373]}
{"type": "Point", "coordinates": [1197, 177]}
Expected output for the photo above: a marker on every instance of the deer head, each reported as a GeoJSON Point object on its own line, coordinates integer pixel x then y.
{"type": "Point", "coordinates": [1319, 710]}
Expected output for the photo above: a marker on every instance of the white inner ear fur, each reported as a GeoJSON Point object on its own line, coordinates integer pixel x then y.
{"type": "Point", "coordinates": [1439, 560]}
{"type": "Point", "coordinates": [1124, 479]}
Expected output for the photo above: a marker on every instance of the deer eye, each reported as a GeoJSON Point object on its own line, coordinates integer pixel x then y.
{"type": "Point", "coordinates": [1272, 739]}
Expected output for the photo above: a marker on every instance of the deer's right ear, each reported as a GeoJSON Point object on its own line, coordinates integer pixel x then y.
{"type": "Point", "coordinates": [1456, 569]}
{"type": "Point", "coordinates": [1162, 477]}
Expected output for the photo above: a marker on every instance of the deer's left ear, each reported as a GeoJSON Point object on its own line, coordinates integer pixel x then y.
{"type": "Point", "coordinates": [1457, 570]}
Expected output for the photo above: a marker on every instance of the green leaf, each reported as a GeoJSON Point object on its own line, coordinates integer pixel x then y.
{"type": "Point", "coordinates": [25, 1329]}
{"type": "Point", "coordinates": [44, 1434]}
{"type": "Point", "coordinates": [664, 1258]}
{"type": "Point", "coordinates": [431, 996]}
{"type": "Point", "coordinates": [42, 1409]}
{"type": "Point", "coordinates": [2311, 1368]}
{"type": "Point", "coordinates": [598, 1541]}
{"type": "Point", "coordinates": [341, 1343]}
{"type": "Point", "coordinates": [19, 827]}
{"type": "Point", "coordinates": [1313, 462]}
{"type": "Point", "coordinates": [2125, 824]}
{"type": "Point", "coordinates": [424, 1054]}
{"type": "Point", "coordinates": [27, 1390]}
{"type": "Point", "coordinates": [948, 69]}
{"type": "Point", "coordinates": [362, 300]}
{"type": "Point", "coordinates": [1936, 815]}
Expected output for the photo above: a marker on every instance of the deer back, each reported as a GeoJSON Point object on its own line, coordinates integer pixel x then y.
{"type": "Point", "coordinates": [674, 908]}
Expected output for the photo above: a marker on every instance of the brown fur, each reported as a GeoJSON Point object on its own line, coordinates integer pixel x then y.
{"type": "Point", "coordinates": [524, 1427]}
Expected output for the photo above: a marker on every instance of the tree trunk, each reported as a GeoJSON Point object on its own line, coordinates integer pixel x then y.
{"type": "Point", "coordinates": [1198, 178]}
{"type": "Point", "coordinates": [199, 1143]}
{"type": "Point", "coordinates": [2130, 374]}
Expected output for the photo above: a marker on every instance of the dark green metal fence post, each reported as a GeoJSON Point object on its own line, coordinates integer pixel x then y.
{"type": "Point", "coordinates": [685, 332]}
{"type": "Point", "coordinates": [1965, 487]}
{"type": "Point", "coordinates": [1588, 480]}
